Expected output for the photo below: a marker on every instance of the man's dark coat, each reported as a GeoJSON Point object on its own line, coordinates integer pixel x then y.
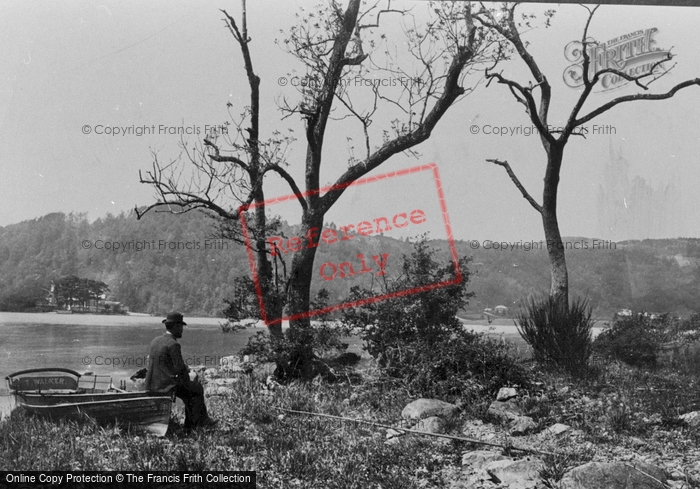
{"type": "Point", "coordinates": [166, 368]}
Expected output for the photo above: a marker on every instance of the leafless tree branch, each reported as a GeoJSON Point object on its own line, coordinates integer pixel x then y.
{"type": "Point", "coordinates": [517, 183]}
{"type": "Point", "coordinates": [632, 98]}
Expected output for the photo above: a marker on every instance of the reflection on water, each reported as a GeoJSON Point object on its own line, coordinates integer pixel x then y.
{"type": "Point", "coordinates": [107, 345]}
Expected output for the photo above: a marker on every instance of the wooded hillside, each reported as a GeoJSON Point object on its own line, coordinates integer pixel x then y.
{"type": "Point", "coordinates": [169, 262]}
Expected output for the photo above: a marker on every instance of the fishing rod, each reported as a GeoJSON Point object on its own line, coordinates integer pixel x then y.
{"type": "Point", "coordinates": [416, 432]}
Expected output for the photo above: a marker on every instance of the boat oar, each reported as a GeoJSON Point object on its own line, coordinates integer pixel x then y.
{"type": "Point", "coordinates": [417, 432]}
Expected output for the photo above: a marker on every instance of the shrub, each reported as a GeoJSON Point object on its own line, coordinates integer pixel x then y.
{"type": "Point", "coordinates": [417, 338]}
{"type": "Point", "coordinates": [633, 339]}
{"type": "Point", "coordinates": [559, 336]}
{"type": "Point", "coordinates": [684, 331]}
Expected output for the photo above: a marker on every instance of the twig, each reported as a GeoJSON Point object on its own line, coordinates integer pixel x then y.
{"type": "Point", "coordinates": [416, 432]}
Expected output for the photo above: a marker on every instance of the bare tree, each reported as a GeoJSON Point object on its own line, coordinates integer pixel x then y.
{"type": "Point", "coordinates": [222, 183]}
{"type": "Point", "coordinates": [554, 140]}
{"type": "Point", "coordinates": [333, 46]}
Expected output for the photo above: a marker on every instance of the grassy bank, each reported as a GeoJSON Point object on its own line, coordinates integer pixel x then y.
{"type": "Point", "coordinates": [619, 413]}
{"type": "Point", "coordinates": [286, 450]}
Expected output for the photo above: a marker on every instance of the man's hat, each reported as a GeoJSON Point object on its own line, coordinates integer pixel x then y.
{"type": "Point", "coordinates": [174, 317]}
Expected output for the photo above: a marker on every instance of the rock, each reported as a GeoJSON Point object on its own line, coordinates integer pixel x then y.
{"type": "Point", "coordinates": [692, 418]}
{"type": "Point", "coordinates": [557, 429]}
{"type": "Point", "coordinates": [479, 430]}
{"type": "Point", "coordinates": [517, 474]}
{"type": "Point", "coordinates": [392, 433]}
{"type": "Point", "coordinates": [473, 474]}
{"type": "Point", "coordinates": [614, 475]}
{"type": "Point", "coordinates": [522, 425]}
{"type": "Point", "coordinates": [504, 411]}
{"type": "Point", "coordinates": [425, 408]}
{"type": "Point", "coordinates": [506, 393]}
{"type": "Point", "coordinates": [432, 424]}
{"type": "Point", "coordinates": [478, 459]}
{"type": "Point", "coordinates": [210, 373]}
{"type": "Point", "coordinates": [637, 442]}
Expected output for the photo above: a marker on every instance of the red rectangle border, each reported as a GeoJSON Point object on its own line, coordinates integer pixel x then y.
{"type": "Point", "coordinates": [431, 167]}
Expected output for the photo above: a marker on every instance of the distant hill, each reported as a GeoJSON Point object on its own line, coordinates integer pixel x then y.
{"type": "Point", "coordinates": [650, 275]}
{"type": "Point", "coordinates": [166, 262]}
{"type": "Point", "coordinates": [162, 261]}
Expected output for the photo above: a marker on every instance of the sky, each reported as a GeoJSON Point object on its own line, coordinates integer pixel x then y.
{"type": "Point", "coordinates": [72, 71]}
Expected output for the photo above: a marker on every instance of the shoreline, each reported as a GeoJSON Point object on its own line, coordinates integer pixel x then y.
{"type": "Point", "coordinates": [87, 319]}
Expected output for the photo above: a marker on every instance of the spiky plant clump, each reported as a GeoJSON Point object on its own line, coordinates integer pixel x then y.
{"type": "Point", "coordinates": [559, 336]}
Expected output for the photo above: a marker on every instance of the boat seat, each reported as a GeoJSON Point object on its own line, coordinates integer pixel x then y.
{"type": "Point", "coordinates": [94, 383]}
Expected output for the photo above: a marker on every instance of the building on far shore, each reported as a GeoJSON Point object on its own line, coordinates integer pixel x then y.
{"type": "Point", "coordinates": [501, 310]}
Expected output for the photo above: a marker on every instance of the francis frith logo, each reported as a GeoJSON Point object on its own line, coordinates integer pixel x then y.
{"type": "Point", "coordinates": [633, 54]}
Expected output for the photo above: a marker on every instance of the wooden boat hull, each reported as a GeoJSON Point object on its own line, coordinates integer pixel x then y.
{"type": "Point", "coordinates": [135, 408]}
{"type": "Point", "coordinates": [58, 393]}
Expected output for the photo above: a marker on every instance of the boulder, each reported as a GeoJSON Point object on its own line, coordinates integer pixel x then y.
{"type": "Point", "coordinates": [557, 429]}
{"type": "Point", "coordinates": [432, 424]}
{"type": "Point", "coordinates": [425, 408]}
{"type": "Point", "coordinates": [393, 441]}
{"type": "Point", "coordinates": [517, 474]}
{"type": "Point", "coordinates": [692, 418]}
{"type": "Point", "coordinates": [479, 459]}
{"type": "Point", "coordinates": [480, 430]}
{"type": "Point", "coordinates": [473, 473]}
{"type": "Point", "coordinates": [614, 475]}
{"type": "Point", "coordinates": [522, 425]}
{"type": "Point", "coordinates": [506, 393]}
{"type": "Point", "coordinates": [504, 411]}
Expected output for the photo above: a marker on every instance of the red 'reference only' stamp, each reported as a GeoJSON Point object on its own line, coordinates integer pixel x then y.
{"type": "Point", "coordinates": [413, 203]}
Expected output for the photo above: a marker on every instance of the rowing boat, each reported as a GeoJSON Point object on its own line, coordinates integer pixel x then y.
{"type": "Point", "coordinates": [58, 393]}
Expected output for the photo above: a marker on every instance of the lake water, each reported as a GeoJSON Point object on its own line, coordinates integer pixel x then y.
{"type": "Point", "coordinates": [107, 345]}
{"type": "Point", "coordinates": [118, 345]}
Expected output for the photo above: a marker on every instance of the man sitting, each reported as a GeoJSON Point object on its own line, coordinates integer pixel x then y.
{"type": "Point", "coordinates": [167, 372]}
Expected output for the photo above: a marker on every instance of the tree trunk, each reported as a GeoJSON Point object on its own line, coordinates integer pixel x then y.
{"type": "Point", "coordinates": [559, 289]}
{"type": "Point", "coordinates": [300, 363]}
{"type": "Point", "coordinates": [268, 283]}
